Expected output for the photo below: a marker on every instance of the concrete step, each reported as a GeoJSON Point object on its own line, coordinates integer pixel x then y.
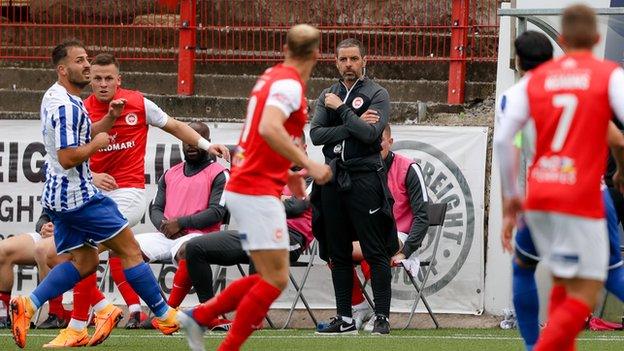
{"type": "Point", "coordinates": [239, 85]}
{"type": "Point", "coordinates": [212, 108]}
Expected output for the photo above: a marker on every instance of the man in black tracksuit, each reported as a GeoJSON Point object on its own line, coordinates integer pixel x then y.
{"type": "Point", "coordinates": [357, 204]}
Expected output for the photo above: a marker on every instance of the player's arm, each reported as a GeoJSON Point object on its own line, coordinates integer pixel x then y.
{"type": "Point", "coordinates": [615, 139]}
{"type": "Point", "coordinates": [295, 207]}
{"type": "Point", "coordinates": [357, 127]}
{"type": "Point", "coordinates": [157, 208]}
{"type": "Point", "coordinates": [43, 219]}
{"type": "Point", "coordinates": [320, 131]}
{"type": "Point", "coordinates": [419, 202]}
{"type": "Point", "coordinates": [115, 109]}
{"type": "Point", "coordinates": [183, 132]}
{"type": "Point", "coordinates": [214, 213]}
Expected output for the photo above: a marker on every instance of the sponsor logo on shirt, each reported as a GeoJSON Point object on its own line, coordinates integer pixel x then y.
{"type": "Point", "coordinates": [555, 169]}
{"type": "Point", "coordinates": [132, 119]}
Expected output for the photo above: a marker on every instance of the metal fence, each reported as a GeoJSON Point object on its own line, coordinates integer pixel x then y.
{"type": "Point", "coordinates": [206, 31]}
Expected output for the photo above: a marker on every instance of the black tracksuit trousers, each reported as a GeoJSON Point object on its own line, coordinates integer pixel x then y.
{"type": "Point", "coordinates": [360, 213]}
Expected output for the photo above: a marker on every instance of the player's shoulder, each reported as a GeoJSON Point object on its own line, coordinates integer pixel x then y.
{"type": "Point", "coordinates": [56, 96]}
{"type": "Point", "coordinates": [514, 92]}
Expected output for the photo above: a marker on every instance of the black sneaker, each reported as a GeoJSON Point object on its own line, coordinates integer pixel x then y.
{"type": "Point", "coordinates": [382, 325]}
{"type": "Point", "coordinates": [337, 326]}
{"type": "Point", "coordinates": [5, 322]}
{"type": "Point", "coordinates": [147, 324]}
{"type": "Point", "coordinates": [53, 322]}
{"type": "Point", "coordinates": [134, 321]}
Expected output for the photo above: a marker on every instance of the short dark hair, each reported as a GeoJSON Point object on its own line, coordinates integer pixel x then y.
{"type": "Point", "coordinates": [351, 43]}
{"type": "Point", "coordinates": [60, 51]}
{"type": "Point", "coordinates": [105, 59]}
{"type": "Point", "coordinates": [578, 26]}
{"type": "Point", "coordinates": [533, 48]}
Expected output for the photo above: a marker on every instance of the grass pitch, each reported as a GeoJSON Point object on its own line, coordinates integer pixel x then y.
{"type": "Point", "coordinates": [306, 340]}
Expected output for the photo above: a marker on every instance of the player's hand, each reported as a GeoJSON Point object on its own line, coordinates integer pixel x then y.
{"type": "Point", "coordinates": [511, 208]}
{"type": "Point", "coordinates": [618, 181]}
{"type": "Point", "coordinates": [171, 228]}
{"type": "Point", "coordinates": [220, 150]}
{"type": "Point", "coordinates": [104, 181]}
{"type": "Point", "coordinates": [296, 184]}
{"type": "Point", "coordinates": [370, 116]}
{"type": "Point", "coordinates": [332, 101]}
{"type": "Point", "coordinates": [47, 230]}
{"type": "Point", "coordinates": [101, 140]}
{"type": "Point", "coordinates": [115, 108]}
{"type": "Point", "coordinates": [396, 259]}
{"type": "Point", "coordinates": [320, 172]}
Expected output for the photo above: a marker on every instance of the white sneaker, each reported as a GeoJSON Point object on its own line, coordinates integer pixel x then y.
{"type": "Point", "coordinates": [361, 314]}
{"type": "Point", "coordinates": [370, 325]}
{"type": "Point", "coordinates": [194, 332]}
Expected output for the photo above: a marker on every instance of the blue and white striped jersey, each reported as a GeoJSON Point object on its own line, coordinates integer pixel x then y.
{"type": "Point", "coordinates": [65, 123]}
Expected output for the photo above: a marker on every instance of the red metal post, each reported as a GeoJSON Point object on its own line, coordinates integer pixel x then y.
{"type": "Point", "coordinates": [459, 39]}
{"type": "Point", "coordinates": [186, 54]}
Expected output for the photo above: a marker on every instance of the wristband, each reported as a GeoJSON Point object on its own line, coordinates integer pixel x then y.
{"type": "Point", "coordinates": [203, 144]}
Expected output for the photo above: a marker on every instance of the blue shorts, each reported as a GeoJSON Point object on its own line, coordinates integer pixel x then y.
{"type": "Point", "coordinates": [94, 222]}
{"type": "Point", "coordinates": [525, 248]}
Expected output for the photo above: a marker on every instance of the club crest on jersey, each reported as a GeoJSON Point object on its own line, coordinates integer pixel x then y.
{"type": "Point", "coordinates": [132, 119]}
{"type": "Point", "coordinates": [278, 235]}
{"type": "Point", "coordinates": [357, 102]}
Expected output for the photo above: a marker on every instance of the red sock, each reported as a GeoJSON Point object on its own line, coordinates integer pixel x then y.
{"type": "Point", "coordinates": [56, 307]}
{"type": "Point", "coordinates": [564, 325]}
{"type": "Point", "coordinates": [5, 297]}
{"type": "Point", "coordinates": [126, 291]}
{"type": "Point", "coordinates": [365, 269]}
{"type": "Point", "coordinates": [356, 293]}
{"type": "Point", "coordinates": [252, 308]}
{"type": "Point", "coordinates": [82, 298]}
{"type": "Point", "coordinates": [226, 301]}
{"type": "Point", "coordinates": [181, 285]}
{"type": "Point", "coordinates": [558, 294]}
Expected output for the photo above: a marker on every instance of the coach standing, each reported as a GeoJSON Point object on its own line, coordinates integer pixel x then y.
{"type": "Point", "coordinates": [356, 205]}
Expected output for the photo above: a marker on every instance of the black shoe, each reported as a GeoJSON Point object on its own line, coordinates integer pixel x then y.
{"type": "Point", "coordinates": [147, 324]}
{"type": "Point", "coordinates": [134, 321]}
{"type": "Point", "coordinates": [5, 322]}
{"type": "Point", "coordinates": [53, 322]}
{"type": "Point", "coordinates": [382, 325]}
{"type": "Point", "coordinates": [337, 326]}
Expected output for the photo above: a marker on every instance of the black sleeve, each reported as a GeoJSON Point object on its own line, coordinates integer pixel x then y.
{"type": "Point", "coordinates": [419, 203]}
{"type": "Point", "coordinates": [215, 211]}
{"type": "Point", "coordinates": [43, 219]}
{"type": "Point", "coordinates": [157, 208]}
{"type": "Point", "coordinates": [363, 131]}
{"type": "Point", "coordinates": [295, 207]}
{"type": "Point", "coordinates": [320, 133]}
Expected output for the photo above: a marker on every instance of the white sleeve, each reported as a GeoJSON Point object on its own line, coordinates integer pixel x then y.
{"type": "Point", "coordinates": [512, 113]}
{"type": "Point", "coordinates": [154, 115]}
{"type": "Point", "coordinates": [616, 93]}
{"type": "Point", "coordinates": [285, 94]}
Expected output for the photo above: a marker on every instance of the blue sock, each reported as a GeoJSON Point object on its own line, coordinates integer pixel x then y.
{"type": "Point", "coordinates": [526, 304]}
{"type": "Point", "coordinates": [60, 279]}
{"type": "Point", "coordinates": [143, 282]}
{"type": "Point", "coordinates": [615, 282]}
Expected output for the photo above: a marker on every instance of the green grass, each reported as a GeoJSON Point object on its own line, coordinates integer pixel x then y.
{"type": "Point", "coordinates": [304, 340]}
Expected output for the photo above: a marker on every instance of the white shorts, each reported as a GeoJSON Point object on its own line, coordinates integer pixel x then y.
{"type": "Point", "coordinates": [571, 246]}
{"type": "Point", "coordinates": [35, 236]}
{"type": "Point", "coordinates": [261, 221]}
{"type": "Point", "coordinates": [157, 247]}
{"type": "Point", "coordinates": [131, 203]}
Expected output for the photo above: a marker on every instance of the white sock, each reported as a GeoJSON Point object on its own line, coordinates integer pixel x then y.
{"type": "Point", "coordinates": [347, 319]}
{"type": "Point", "coordinates": [76, 324]}
{"type": "Point", "coordinates": [100, 305]}
{"type": "Point", "coordinates": [360, 306]}
{"type": "Point", "coordinates": [134, 308]}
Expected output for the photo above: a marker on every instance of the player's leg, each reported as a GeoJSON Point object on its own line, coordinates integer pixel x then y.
{"type": "Point", "coordinates": [131, 203]}
{"type": "Point", "coordinates": [615, 277]}
{"type": "Point", "coordinates": [181, 281]}
{"type": "Point", "coordinates": [524, 287]}
{"type": "Point", "coordinates": [362, 311]}
{"type": "Point", "coordinates": [577, 255]}
{"type": "Point", "coordinates": [46, 258]}
{"type": "Point", "coordinates": [18, 249]}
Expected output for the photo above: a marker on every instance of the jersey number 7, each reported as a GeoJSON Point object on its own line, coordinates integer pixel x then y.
{"type": "Point", "coordinates": [568, 102]}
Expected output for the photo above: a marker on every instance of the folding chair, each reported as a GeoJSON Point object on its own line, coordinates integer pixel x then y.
{"type": "Point", "coordinates": [301, 284]}
{"type": "Point", "coordinates": [436, 214]}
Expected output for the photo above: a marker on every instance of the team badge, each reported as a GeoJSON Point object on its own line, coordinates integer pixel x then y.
{"type": "Point", "coordinates": [338, 149]}
{"type": "Point", "coordinates": [131, 119]}
{"type": "Point", "coordinates": [279, 234]}
{"type": "Point", "coordinates": [357, 102]}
